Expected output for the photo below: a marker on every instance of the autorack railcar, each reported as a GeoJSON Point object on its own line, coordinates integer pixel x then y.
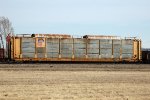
{"type": "Point", "coordinates": [89, 48]}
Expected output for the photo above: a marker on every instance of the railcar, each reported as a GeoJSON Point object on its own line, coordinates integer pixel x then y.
{"type": "Point", "coordinates": [146, 55]}
{"type": "Point", "coordinates": [54, 47]}
{"type": "Point", "coordinates": [1, 54]}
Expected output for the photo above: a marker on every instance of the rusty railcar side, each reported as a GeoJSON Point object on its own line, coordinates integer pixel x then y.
{"type": "Point", "coordinates": [75, 49]}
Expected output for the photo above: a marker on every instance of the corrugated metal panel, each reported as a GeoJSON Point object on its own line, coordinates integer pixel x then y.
{"type": "Point", "coordinates": [66, 55]}
{"type": "Point", "coordinates": [116, 41]}
{"type": "Point", "coordinates": [103, 51]}
{"type": "Point", "coordinates": [95, 46]}
{"type": "Point", "coordinates": [106, 44]}
{"type": "Point", "coordinates": [52, 48]}
{"type": "Point", "coordinates": [28, 55]}
{"type": "Point", "coordinates": [106, 53]}
{"type": "Point", "coordinates": [41, 55]}
{"type": "Point", "coordinates": [127, 51]}
{"type": "Point", "coordinates": [40, 50]}
{"type": "Point", "coordinates": [80, 41]}
{"type": "Point", "coordinates": [116, 48]}
{"type": "Point", "coordinates": [80, 51]}
{"type": "Point", "coordinates": [79, 48]}
{"type": "Point", "coordinates": [50, 40]}
{"type": "Point", "coordinates": [116, 55]}
{"type": "Point", "coordinates": [128, 42]}
{"type": "Point", "coordinates": [66, 48]}
{"type": "Point", "coordinates": [28, 46]}
{"type": "Point", "coordinates": [28, 50]}
{"type": "Point", "coordinates": [66, 41]}
{"type": "Point", "coordinates": [52, 55]}
{"type": "Point", "coordinates": [52, 45]}
{"type": "Point", "coordinates": [93, 51]}
{"type": "Point", "coordinates": [109, 46]}
{"type": "Point", "coordinates": [79, 55]}
{"type": "Point", "coordinates": [106, 48]}
{"type": "Point", "coordinates": [93, 55]}
{"type": "Point", "coordinates": [127, 46]}
{"type": "Point", "coordinates": [28, 40]}
{"type": "Point", "coordinates": [92, 41]}
{"type": "Point", "coordinates": [106, 41]}
{"type": "Point", "coordinates": [126, 56]}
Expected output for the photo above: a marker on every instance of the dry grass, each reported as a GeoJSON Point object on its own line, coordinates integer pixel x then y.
{"type": "Point", "coordinates": [74, 82]}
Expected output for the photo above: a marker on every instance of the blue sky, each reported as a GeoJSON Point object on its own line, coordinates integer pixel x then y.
{"type": "Point", "coordinates": [125, 18]}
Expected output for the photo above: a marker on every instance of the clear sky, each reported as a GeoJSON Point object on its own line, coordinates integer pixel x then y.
{"type": "Point", "coordinates": [125, 18]}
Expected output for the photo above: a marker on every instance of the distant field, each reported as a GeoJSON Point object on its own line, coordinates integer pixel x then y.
{"type": "Point", "coordinates": [74, 82]}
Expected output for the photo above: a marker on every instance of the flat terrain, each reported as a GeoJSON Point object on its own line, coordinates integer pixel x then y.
{"type": "Point", "coordinates": [74, 82]}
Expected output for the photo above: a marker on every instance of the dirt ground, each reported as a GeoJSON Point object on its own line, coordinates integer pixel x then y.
{"type": "Point", "coordinates": [74, 82]}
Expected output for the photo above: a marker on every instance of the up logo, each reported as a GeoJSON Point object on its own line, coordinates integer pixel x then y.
{"type": "Point", "coordinates": [40, 42]}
